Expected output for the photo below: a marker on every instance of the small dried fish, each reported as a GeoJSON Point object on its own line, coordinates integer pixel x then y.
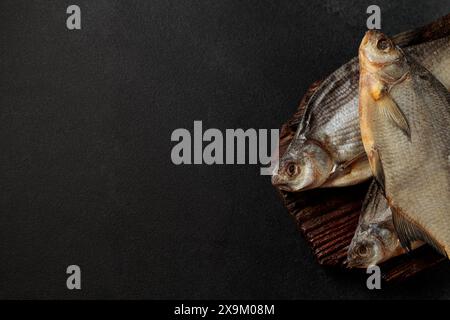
{"type": "Point", "coordinates": [375, 238]}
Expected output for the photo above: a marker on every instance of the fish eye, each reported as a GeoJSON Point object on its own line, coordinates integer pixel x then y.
{"type": "Point", "coordinates": [383, 44]}
{"type": "Point", "coordinates": [292, 169]}
{"type": "Point", "coordinates": [363, 250]}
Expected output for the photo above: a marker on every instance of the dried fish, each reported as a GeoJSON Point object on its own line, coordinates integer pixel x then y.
{"type": "Point", "coordinates": [327, 150]}
{"type": "Point", "coordinates": [404, 121]}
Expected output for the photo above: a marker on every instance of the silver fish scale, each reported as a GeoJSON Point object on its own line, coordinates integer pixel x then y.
{"type": "Point", "coordinates": [417, 176]}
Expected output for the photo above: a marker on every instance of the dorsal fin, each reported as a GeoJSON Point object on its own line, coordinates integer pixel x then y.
{"type": "Point", "coordinates": [298, 115]}
{"type": "Point", "coordinates": [290, 127]}
{"type": "Point", "coordinates": [435, 30]}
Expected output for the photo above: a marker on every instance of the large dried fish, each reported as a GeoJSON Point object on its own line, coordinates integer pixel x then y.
{"type": "Point", "coordinates": [327, 150]}
{"type": "Point", "coordinates": [405, 119]}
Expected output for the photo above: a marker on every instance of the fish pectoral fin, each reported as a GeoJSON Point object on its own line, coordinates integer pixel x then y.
{"type": "Point", "coordinates": [360, 156]}
{"type": "Point", "coordinates": [350, 170]}
{"type": "Point", "coordinates": [376, 166]}
{"type": "Point", "coordinates": [391, 110]}
{"type": "Point", "coordinates": [409, 231]}
{"type": "Point", "coordinates": [346, 167]}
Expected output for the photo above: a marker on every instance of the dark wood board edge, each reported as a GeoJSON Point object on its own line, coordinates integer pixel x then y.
{"type": "Point", "coordinates": [327, 218]}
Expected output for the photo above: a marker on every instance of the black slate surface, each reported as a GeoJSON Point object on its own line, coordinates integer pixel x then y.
{"type": "Point", "coordinates": [85, 170]}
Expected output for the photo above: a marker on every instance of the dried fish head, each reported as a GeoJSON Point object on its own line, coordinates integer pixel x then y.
{"type": "Point", "coordinates": [373, 244]}
{"type": "Point", "coordinates": [305, 165]}
{"type": "Point", "coordinates": [378, 54]}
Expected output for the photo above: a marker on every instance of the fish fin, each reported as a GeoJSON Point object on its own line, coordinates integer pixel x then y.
{"type": "Point", "coordinates": [346, 166]}
{"type": "Point", "coordinates": [374, 206]}
{"type": "Point", "coordinates": [408, 232]}
{"type": "Point", "coordinates": [377, 167]}
{"type": "Point", "coordinates": [391, 110]}
{"type": "Point", "coordinates": [355, 159]}
{"type": "Point", "coordinates": [432, 31]}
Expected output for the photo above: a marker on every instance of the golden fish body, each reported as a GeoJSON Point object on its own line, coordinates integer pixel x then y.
{"type": "Point", "coordinates": [405, 120]}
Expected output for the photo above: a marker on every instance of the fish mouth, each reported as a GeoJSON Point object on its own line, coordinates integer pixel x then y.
{"type": "Point", "coordinates": [353, 264]}
{"type": "Point", "coordinates": [288, 187]}
{"type": "Point", "coordinates": [277, 182]}
{"type": "Point", "coordinates": [371, 36]}
{"type": "Point", "coordinates": [284, 187]}
{"type": "Point", "coordinates": [366, 37]}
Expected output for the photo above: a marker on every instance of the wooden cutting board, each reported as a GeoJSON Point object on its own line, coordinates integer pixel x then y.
{"type": "Point", "coordinates": [327, 218]}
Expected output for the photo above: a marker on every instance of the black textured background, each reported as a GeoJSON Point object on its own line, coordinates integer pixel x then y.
{"type": "Point", "coordinates": [85, 170]}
